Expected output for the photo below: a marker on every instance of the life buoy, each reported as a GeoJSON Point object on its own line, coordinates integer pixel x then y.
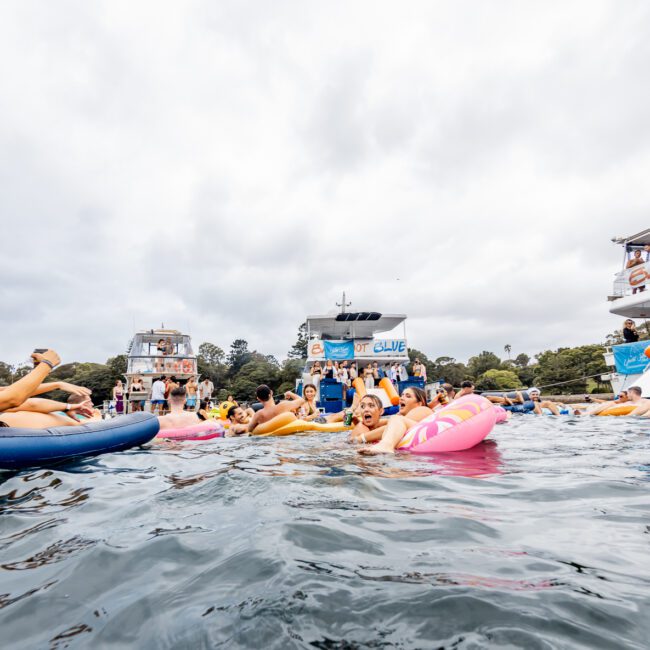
{"type": "Point", "coordinates": [187, 366]}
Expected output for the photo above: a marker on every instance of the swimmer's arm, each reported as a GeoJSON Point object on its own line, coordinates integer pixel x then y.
{"type": "Point", "coordinates": [537, 409]}
{"type": "Point", "coordinates": [72, 389]}
{"type": "Point", "coordinates": [14, 395]}
{"type": "Point", "coordinates": [39, 405]}
{"type": "Point", "coordinates": [290, 404]}
{"type": "Point", "coordinates": [252, 424]}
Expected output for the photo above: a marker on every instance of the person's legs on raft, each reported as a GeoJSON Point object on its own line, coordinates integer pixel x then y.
{"type": "Point", "coordinates": [551, 406]}
{"type": "Point", "coordinates": [397, 426]}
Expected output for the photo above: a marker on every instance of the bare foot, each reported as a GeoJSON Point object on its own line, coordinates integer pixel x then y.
{"type": "Point", "coordinates": [375, 450]}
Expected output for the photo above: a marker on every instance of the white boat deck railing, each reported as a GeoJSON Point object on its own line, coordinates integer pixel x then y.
{"type": "Point", "coordinates": [629, 280]}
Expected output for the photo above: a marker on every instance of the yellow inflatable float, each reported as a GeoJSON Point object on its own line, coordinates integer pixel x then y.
{"type": "Point", "coordinates": [619, 409]}
{"type": "Point", "coordinates": [286, 424]}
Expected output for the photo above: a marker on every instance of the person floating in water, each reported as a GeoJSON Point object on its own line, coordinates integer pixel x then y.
{"type": "Point", "coordinates": [413, 409]}
{"type": "Point", "coordinates": [270, 409]}
{"type": "Point", "coordinates": [178, 418]}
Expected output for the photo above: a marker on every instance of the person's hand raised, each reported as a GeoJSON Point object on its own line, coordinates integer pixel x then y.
{"type": "Point", "coordinates": [50, 356]}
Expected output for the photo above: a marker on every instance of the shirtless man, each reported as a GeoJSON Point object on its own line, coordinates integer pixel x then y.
{"type": "Point", "coordinates": [642, 405]}
{"type": "Point", "coordinates": [631, 396]}
{"type": "Point", "coordinates": [270, 409]}
{"type": "Point", "coordinates": [239, 421]}
{"type": "Point", "coordinates": [178, 418]}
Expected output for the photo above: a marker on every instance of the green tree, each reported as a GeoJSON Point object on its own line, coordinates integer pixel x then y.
{"type": "Point", "coordinates": [450, 370]}
{"type": "Point", "coordinates": [118, 365]}
{"type": "Point", "coordinates": [238, 356]}
{"type": "Point", "coordinates": [483, 362]}
{"type": "Point", "coordinates": [211, 354]}
{"type": "Point", "coordinates": [299, 348]}
{"type": "Point", "coordinates": [522, 360]}
{"type": "Point", "coordinates": [570, 365]}
{"type": "Point", "coordinates": [498, 380]}
{"type": "Point", "coordinates": [290, 371]}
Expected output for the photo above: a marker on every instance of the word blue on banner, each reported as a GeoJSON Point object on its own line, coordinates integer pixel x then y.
{"type": "Point", "coordinates": [630, 358]}
{"type": "Point", "coordinates": [339, 350]}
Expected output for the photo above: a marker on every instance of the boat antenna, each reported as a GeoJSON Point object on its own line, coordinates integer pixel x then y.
{"type": "Point", "coordinates": [343, 304]}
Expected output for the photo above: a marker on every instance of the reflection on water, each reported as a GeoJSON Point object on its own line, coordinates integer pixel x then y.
{"type": "Point", "coordinates": [536, 538]}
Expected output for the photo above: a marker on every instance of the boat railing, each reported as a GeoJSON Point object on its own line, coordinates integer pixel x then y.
{"type": "Point", "coordinates": [629, 281]}
{"type": "Point", "coordinates": [171, 364]}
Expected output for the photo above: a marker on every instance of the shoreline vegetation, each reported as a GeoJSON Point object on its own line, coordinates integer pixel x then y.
{"type": "Point", "coordinates": [565, 373]}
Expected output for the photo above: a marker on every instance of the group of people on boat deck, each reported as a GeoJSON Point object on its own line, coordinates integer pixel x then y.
{"type": "Point", "coordinates": [372, 373]}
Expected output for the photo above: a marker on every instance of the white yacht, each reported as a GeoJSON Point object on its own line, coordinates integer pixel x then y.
{"type": "Point", "coordinates": [630, 298]}
{"type": "Point", "coordinates": [156, 353]}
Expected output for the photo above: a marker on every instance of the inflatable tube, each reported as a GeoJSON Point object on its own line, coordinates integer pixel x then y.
{"type": "Point", "coordinates": [462, 424]}
{"type": "Point", "coordinates": [387, 385]}
{"type": "Point", "coordinates": [359, 387]}
{"type": "Point", "coordinates": [274, 423]}
{"type": "Point", "coordinates": [30, 447]}
{"type": "Point", "coordinates": [223, 409]}
{"type": "Point", "coordinates": [510, 395]}
{"type": "Point", "coordinates": [301, 426]}
{"type": "Point", "coordinates": [204, 431]}
{"type": "Point", "coordinates": [501, 414]}
{"type": "Point", "coordinates": [619, 409]}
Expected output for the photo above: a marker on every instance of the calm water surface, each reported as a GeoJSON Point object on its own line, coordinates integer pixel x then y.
{"type": "Point", "coordinates": [537, 539]}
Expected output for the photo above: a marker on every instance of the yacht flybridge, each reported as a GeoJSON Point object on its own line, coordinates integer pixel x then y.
{"type": "Point", "coordinates": [631, 294]}
{"type": "Point", "coordinates": [350, 336]}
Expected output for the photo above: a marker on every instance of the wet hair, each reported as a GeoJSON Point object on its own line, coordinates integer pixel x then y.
{"type": "Point", "coordinates": [306, 386]}
{"type": "Point", "coordinates": [420, 395]}
{"type": "Point", "coordinates": [467, 384]}
{"type": "Point", "coordinates": [263, 393]}
{"type": "Point", "coordinates": [375, 399]}
{"type": "Point", "coordinates": [635, 389]}
{"type": "Point", "coordinates": [449, 388]}
{"type": "Point", "coordinates": [177, 393]}
{"type": "Point", "coordinates": [231, 411]}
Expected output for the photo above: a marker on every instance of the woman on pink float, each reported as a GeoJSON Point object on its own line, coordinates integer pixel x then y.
{"type": "Point", "coordinates": [462, 424]}
{"type": "Point", "coordinates": [412, 409]}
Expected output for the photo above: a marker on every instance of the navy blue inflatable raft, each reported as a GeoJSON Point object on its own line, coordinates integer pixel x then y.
{"type": "Point", "coordinates": [32, 447]}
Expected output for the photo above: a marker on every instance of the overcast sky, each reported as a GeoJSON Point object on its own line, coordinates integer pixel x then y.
{"type": "Point", "coordinates": [229, 167]}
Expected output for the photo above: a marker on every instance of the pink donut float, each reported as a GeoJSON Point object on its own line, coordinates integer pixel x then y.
{"type": "Point", "coordinates": [204, 431]}
{"type": "Point", "coordinates": [462, 424]}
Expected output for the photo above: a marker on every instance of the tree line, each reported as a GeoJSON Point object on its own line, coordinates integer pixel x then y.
{"type": "Point", "coordinates": [240, 370]}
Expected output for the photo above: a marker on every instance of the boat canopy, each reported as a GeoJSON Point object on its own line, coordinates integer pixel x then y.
{"type": "Point", "coordinates": [640, 239]}
{"type": "Point", "coordinates": [352, 325]}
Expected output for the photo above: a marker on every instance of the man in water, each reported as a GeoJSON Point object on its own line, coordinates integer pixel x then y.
{"type": "Point", "coordinates": [239, 421]}
{"type": "Point", "coordinates": [269, 408]}
{"type": "Point", "coordinates": [177, 418]}
{"type": "Point", "coordinates": [466, 388]}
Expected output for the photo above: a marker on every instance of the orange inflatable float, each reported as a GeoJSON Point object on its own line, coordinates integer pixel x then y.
{"type": "Point", "coordinates": [387, 385]}
{"type": "Point", "coordinates": [619, 409]}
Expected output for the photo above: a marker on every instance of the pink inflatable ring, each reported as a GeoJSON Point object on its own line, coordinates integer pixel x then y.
{"type": "Point", "coordinates": [204, 431]}
{"type": "Point", "coordinates": [462, 424]}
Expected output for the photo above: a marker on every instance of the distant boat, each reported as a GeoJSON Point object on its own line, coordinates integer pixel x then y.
{"type": "Point", "coordinates": [628, 360]}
